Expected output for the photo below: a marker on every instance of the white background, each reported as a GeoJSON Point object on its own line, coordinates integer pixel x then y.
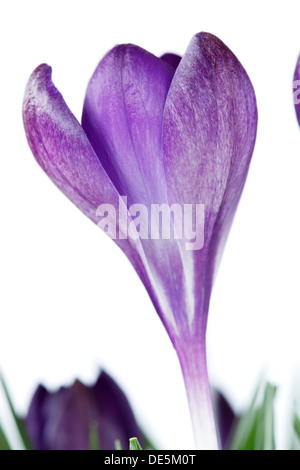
{"type": "Point", "coordinates": [70, 301]}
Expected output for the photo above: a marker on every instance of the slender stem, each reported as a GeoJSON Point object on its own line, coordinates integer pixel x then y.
{"type": "Point", "coordinates": [194, 369]}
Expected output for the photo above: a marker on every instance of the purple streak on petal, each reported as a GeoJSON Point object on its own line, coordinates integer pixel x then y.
{"type": "Point", "coordinates": [171, 59]}
{"type": "Point", "coordinates": [61, 420]}
{"type": "Point", "coordinates": [296, 89]}
{"type": "Point", "coordinates": [192, 357]}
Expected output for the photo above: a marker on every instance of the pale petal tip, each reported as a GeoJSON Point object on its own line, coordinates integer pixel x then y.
{"type": "Point", "coordinates": [210, 44]}
{"type": "Point", "coordinates": [41, 73]}
{"type": "Point", "coordinates": [38, 82]}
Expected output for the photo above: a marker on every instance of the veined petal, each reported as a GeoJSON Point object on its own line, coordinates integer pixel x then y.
{"type": "Point", "coordinates": [64, 152]}
{"type": "Point", "coordinates": [61, 147]}
{"type": "Point", "coordinates": [209, 132]}
{"type": "Point", "coordinates": [122, 118]}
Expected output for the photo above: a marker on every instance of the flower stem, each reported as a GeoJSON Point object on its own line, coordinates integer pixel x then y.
{"type": "Point", "coordinates": [194, 369]}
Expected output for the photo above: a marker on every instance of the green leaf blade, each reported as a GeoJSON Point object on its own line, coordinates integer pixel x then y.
{"type": "Point", "coordinates": [134, 444]}
{"type": "Point", "coordinates": [4, 444]}
{"type": "Point", "coordinates": [16, 418]}
{"type": "Point", "coordinates": [255, 429]}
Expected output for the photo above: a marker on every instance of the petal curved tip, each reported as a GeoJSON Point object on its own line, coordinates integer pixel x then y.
{"type": "Point", "coordinates": [213, 48]}
{"type": "Point", "coordinates": [205, 37]}
{"type": "Point", "coordinates": [38, 86]}
{"type": "Point", "coordinates": [38, 80]}
{"type": "Point", "coordinates": [61, 147]}
{"type": "Point", "coordinates": [218, 54]}
{"type": "Point", "coordinates": [208, 40]}
{"type": "Point", "coordinates": [40, 71]}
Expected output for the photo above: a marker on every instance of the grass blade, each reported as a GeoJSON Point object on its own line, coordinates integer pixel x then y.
{"type": "Point", "coordinates": [134, 444]}
{"type": "Point", "coordinates": [17, 420]}
{"type": "Point", "coordinates": [4, 444]}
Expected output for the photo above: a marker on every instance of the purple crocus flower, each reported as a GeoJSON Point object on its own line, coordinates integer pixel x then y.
{"type": "Point", "coordinates": [63, 420]}
{"type": "Point", "coordinates": [157, 130]}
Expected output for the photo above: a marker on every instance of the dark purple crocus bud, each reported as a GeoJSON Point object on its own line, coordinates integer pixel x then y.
{"type": "Point", "coordinates": [225, 418]}
{"type": "Point", "coordinates": [64, 419]}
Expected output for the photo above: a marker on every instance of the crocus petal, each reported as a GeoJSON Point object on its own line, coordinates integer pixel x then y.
{"type": "Point", "coordinates": [62, 420]}
{"type": "Point", "coordinates": [296, 89]}
{"type": "Point", "coordinates": [209, 131]}
{"type": "Point", "coordinates": [62, 149]}
{"type": "Point", "coordinates": [171, 59]}
{"type": "Point", "coordinates": [122, 117]}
